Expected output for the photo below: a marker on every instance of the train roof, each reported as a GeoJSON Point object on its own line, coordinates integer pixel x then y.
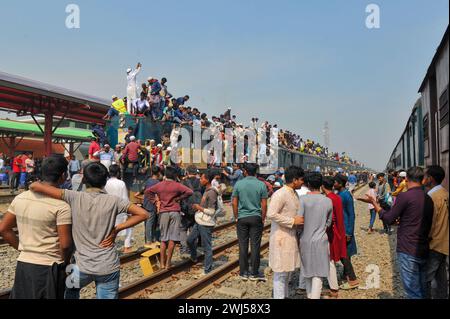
{"type": "Point", "coordinates": [431, 70]}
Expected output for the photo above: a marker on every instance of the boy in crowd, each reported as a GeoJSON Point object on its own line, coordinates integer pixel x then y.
{"type": "Point", "coordinates": [336, 235]}
{"type": "Point", "coordinates": [205, 220]}
{"type": "Point", "coordinates": [372, 192]}
{"type": "Point", "coordinates": [45, 239]}
{"type": "Point", "coordinates": [151, 237]}
{"type": "Point", "coordinates": [187, 206]}
{"type": "Point", "coordinates": [94, 213]}
{"type": "Point", "coordinates": [383, 191]}
{"type": "Point", "coordinates": [284, 255]}
{"type": "Point", "coordinates": [349, 222]}
{"type": "Point", "coordinates": [115, 186]}
{"type": "Point", "coordinates": [249, 201]}
{"type": "Point", "coordinates": [436, 263]}
{"type": "Point", "coordinates": [414, 210]}
{"type": "Point", "coordinates": [317, 211]}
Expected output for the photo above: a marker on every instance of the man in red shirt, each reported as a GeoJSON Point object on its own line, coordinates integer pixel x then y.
{"type": "Point", "coordinates": [169, 194]}
{"type": "Point", "coordinates": [336, 235]}
{"type": "Point", "coordinates": [130, 155]}
{"type": "Point", "coordinates": [17, 167]}
{"type": "Point", "coordinates": [94, 148]}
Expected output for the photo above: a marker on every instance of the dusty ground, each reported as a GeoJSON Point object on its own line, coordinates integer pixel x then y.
{"type": "Point", "coordinates": [373, 249]}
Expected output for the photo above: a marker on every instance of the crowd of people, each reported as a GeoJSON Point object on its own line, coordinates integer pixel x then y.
{"type": "Point", "coordinates": [312, 225]}
{"type": "Point", "coordinates": [153, 100]}
{"type": "Point", "coordinates": [74, 213]}
{"type": "Point", "coordinates": [18, 170]}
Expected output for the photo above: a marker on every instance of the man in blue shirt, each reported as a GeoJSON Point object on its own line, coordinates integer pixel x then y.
{"type": "Point", "coordinates": [74, 166]}
{"type": "Point", "coordinates": [182, 100]}
{"type": "Point", "coordinates": [249, 200]}
{"type": "Point", "coordinates": [236, 176]}
{"type": "Point", "coordinates": [349, 222]}
{"type": "Point", "coordinates": [352, 181]}
{"type": "Point", "coordinates": [151, 237]}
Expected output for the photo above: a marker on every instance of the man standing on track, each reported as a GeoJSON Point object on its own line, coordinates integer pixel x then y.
{"type": "Point", "coordinates": [349, 222]}
{"type": "Point", "coordinates": [436, 263]}
{"type": "Point", "coordinates": [249, 200]}
{"type": "Point", "coordinates": [94, 231]}
{"type": "Point", "coordinates": [17, 170]}
{"type": "Point", "coordinates": [336, 235]}
{"type": "Point", "coordinates": [414, 211]}
{"type": "Point", "coordinates": [205, 220]}
{"type": "Point", "coordinates": [169, 193]}
{"type": "Point", "coordinates": [45, 238]}
{"type": "Point", "coordinates": [284, 255]}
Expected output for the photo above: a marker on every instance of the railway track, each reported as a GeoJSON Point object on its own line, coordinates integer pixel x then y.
{"type": "Point", "coordinates": [130, 258]}
{"type": "Point", "coordinates": [140, 287]}
{"type": "Point", "coordinates": [213, 279]}
{"type": "Point", "coordinates": [219, 275]}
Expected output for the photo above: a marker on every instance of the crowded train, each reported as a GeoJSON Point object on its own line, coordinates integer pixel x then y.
{"type": "Point", "coordinates": [86, 205]}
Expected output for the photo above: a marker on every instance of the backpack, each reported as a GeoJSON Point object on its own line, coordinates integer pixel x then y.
{"type": "Point", "coordinates": [209, 218]}
{"type": "Point", "coordinates": [220, 211]}
{"type": "Point", "coordinates": [195, 198]}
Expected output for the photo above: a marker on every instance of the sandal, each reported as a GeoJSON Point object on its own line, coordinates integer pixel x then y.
{"type": "Point", "coordinates": [348, 286]}
{"type": "Point", "coordinates": [300, 291]}
{"type": "Point", "coordinates": [331, 295]}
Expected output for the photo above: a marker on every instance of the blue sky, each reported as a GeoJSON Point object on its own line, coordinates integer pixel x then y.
{"type": "Point", "coordinates": [295, 63]}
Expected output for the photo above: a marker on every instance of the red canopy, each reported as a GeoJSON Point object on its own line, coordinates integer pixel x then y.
{"type": "Point", "coordinates": [28, 97]}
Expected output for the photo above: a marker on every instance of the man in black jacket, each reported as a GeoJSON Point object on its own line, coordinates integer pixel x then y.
{"type": "Point", "coordinates": [192, 181]}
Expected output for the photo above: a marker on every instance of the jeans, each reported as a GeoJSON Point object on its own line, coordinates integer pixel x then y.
{"type": "Point", "coordinates": [135, 167]}
{"type": "Point", "coordinates": [205, 233]}
{"type": "Point", "coordinates": [15, 180]}
{"type": "Point", "coordinates": [73, 173]}
{"type": "Point", "coordinates": [413, 274]}
{"type": "Point", "coordinates": [249, 228]}
{"type": "Point", "coordinates": [156, 110]}
{"type": "Point", "coordinates": [107, 286]}
{"type": "Point", "coordinates": [112, 112]}
{"type": "Point", "coordinates": [373, 216]}
{"type": "Point", "coordinates": [150, 224]}
{"type": "Point", "coordinates": [183, 238]}
{"type": "Point", "coordinates": [437, 279]}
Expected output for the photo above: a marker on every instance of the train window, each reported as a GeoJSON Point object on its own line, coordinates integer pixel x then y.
{"type": "Point", "coordinates": [443, 109]}
{"type": "Point", "coordinates": [425, 127]}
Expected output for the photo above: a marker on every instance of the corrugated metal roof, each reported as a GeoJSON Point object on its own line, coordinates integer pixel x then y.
{"type": "Point", "coordinates": [18, 82]}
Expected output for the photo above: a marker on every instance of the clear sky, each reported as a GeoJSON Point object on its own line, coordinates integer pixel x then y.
{"type": "Point", "coordinates": [296, 63]}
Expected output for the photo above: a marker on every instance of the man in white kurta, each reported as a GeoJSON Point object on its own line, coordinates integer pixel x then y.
{"type": "Point", "coordinates": [115, 186]}
{"type": "Point", "coordinates": [132, 86]}
{"type": "Point", "coordinates": [284, 255]}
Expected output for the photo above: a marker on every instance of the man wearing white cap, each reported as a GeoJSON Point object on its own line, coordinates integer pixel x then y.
{"type": "Point", "coordinates": [132, 86]}
{"type": "Point", "coordinates": [106, 155]}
